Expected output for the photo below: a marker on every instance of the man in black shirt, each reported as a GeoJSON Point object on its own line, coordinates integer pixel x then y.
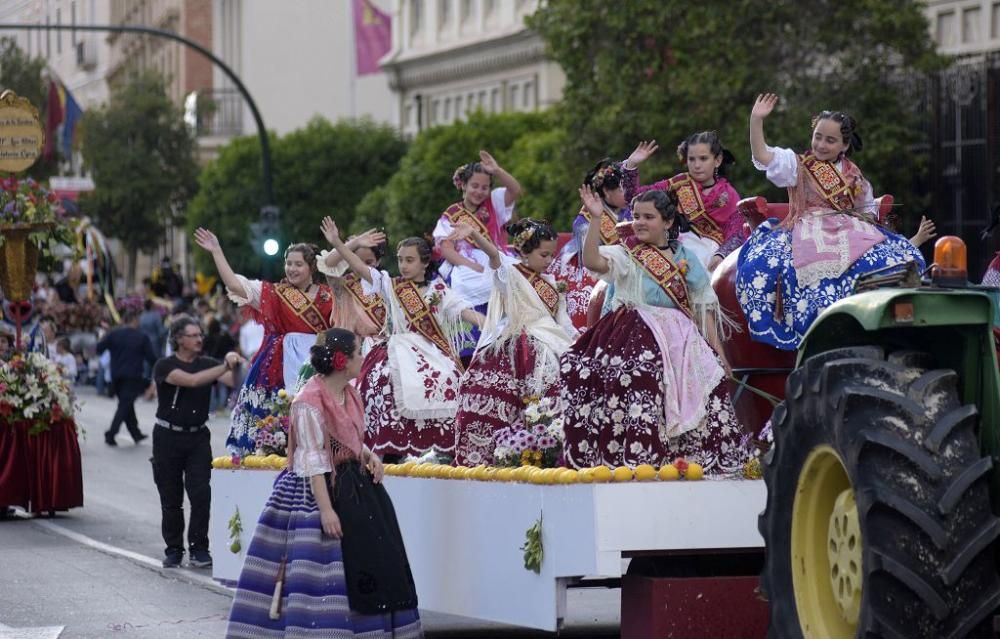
{"type": "Point", "coordinates": [130, 349]}
{"type": "Point", "coordinates": [182, 450]}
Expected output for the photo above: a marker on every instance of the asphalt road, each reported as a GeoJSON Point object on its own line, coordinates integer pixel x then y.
{"type": "Point", "coordinates": [94, 572]}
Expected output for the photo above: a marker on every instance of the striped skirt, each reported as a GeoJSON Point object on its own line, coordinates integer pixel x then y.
{"type": "Point", "coordinates": [314, 597]}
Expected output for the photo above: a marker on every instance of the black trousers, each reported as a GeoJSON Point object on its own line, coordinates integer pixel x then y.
{"type": "Point", "coordinates": [128, 389]}
{"type": "Point", "coordinates": [183, 462]}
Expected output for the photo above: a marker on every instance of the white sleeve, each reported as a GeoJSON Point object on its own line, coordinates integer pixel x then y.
{"type": "Point", "coordinates": [380, 285]}
{"type": "Point", "coordinates": [331, 271]}
{"type": "Point", "coordinates": [309, 457]}
{"type": "Point", "coordinates": [784, 167]}
{"type": "Point", "coordinates": [504, 212]}
{"type": "Point", "coordinates": [442, 230]}
{"type": "Point", "coordinates": [617, 261]}
{"type": "Point", "coordinates": [452, 304]}
{"type": "Point", "coordinates": [868, 199]}
{"type": "Point", "coordinates": [502, 275]}
{"type": "Point", "coordinates": [252, 288]}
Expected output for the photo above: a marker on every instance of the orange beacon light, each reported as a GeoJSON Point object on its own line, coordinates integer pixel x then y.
{"type": "Point", "coordinates": [950, 262]}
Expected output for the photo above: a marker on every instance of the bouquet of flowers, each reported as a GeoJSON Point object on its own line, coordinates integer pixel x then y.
{"type": "Point", "coordinates": [28, 203]}
{"type": "Point", "coordinates": [538, 441]}
{"type": "Point", "coordinates": [33, 389]}
{"type": "Point", "coordinates": [271, 436]}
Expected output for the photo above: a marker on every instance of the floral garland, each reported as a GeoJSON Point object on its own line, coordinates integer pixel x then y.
{"type": "Point", "coordinates": [538, 441]}
{"type": "Point", "coordinates": [271, 437]}
{"type": "Point", "coordinates": [28, 202]}
{"type": "Point", "coordinates": [34, 389]}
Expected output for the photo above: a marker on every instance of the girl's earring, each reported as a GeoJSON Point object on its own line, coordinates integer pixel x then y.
{"type": "Point", "coordinates": [715, 173]}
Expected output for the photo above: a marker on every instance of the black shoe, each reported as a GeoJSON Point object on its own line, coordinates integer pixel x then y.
{"type": "Point", "coordinates": [200, 559]}
{"type": "Point", "coordinates": [141, 436]}
{"type": "Point", "coordinates": [109, 439]}
{"type": "Point", "coordinates": [172, 558]}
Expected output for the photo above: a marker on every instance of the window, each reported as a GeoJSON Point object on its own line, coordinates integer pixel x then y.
{"type": "Point", "coordinates": [467, 12]}
{"type": "Point", "coordinates": [995, 29]}
{"type": "Point", "coordinates": [416, 16]}
{"type": "Point", "coordinates": [458, 107]}
{"type": "Point", "coordinates": [482, 100]}
{"type": "Point", "coordinates": [495, 104]}
{"type": "Point", "coordinates": [513, 97]}
{"type": "Point", "coordinates": [444, 14]}
{"type": "Point", "coordinates": [528, 98]}
{"type": "Point", "coordinates": [408, 115]}
{"type": "Point", "coordinates": [59, 33]}
{"type": "Point", "coordinates": [946, 31]}
{"type": "Point", "coordinates": [970, 24]}
{"type": "Point", "coordinates": [447, 109]}
{"type": "Point", "coordinates": [435, 111]}
{"type": "Point", "coordinates": [72, 21]}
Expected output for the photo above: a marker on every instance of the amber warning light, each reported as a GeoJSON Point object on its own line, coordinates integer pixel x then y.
{"type": "Point", "coordinates": [950, 262]}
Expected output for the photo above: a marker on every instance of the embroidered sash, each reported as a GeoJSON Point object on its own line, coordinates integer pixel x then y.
{"type": "Point", "coordinates": [609, 230]}
{"type": "Point", "coordinates": [303, 307]}
{"type": "Point", "coordinates": [372, 305]}
{"type": "Point", "coordinates": [420, 315]}
{"type": "Point", "coordinates": [691, 205]}
{"type": "Point", "coordinates": [458, 213]}
{"type": "Point", "coordinates": [546, 292]}
{"type": "Point", "coordinates": [663, 271]}
{"type": "Point", "coordinates": [830, 183]}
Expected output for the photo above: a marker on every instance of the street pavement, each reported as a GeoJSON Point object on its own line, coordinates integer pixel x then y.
{"type": "Point", "coordinates": [94, 572]}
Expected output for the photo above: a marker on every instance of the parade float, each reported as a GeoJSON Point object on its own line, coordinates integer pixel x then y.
{"type": "Point", "coordinates": [40, 467]}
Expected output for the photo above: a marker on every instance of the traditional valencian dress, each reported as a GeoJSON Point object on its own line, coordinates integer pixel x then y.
{"type": "Point", "coordinates": [717, 228]}
{"type": "Point", "coordinates": [291, 322]}
{"type": "Point", "coordinates": [357, 586]}
{"type": "Point", "coordinates": [489, 219]}
{"type": "Point", "coordinates": [410, 381]}
{"type": "Point", "coordinates": [370, 308]}
{"type": "Point", "coordinates": [568, 266]}
{"type": "Point", "coordinates": [789, 272]}
{"type": "Point", "coordinates": [643, 385]}
{"type": "Point", "coordinates": [526, 331]}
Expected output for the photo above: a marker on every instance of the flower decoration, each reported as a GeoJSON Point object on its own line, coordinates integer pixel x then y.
{"type": "Point", "coordinates": [682, 266]}
{"type": "Point", "coordinates": [29, 203]}
{"type": "Point", "coordinates": [603, 174]}
{"type": "Point", "coordinates": [522, 238]}
{"type": "Point", "coordinates": [535, 441]}
{"type": "Point", "coordinates": [339, 361]}
{"type": "Point", "coordinates": [561, 286]}
{"type": "Point", "coordinates": [33, 389]}
{"type": "Point", "coordinates": [271, 436]}
{"type": "Point", "coordinates": [434, 301]}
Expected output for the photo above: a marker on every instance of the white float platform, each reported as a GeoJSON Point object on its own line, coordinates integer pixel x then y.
{"type": "Point", "coordinates": [464, 538]}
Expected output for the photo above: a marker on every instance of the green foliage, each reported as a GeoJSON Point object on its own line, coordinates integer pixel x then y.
{"type": "Point", "coordinates": [411, 202]}
{"type": "Point", "coordinates": [321, 169]}
{"type": "Point", "coordinates": [665, 69]}
{"type": "Point", "coordinates": [141, 156]}
{"type": "Point", "coordinates": [534, 552]}
{"type": "Point", "coordinates": [23, 75]}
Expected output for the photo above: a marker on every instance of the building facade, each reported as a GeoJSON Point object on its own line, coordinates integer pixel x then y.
{"type": "Point", "coordinates": [962, 27]}
{"type": "Point", "coordinates": [453, 57]}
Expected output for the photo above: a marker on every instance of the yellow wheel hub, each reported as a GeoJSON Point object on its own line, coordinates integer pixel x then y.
{"type": "Point", "coordinates": [826, 549]}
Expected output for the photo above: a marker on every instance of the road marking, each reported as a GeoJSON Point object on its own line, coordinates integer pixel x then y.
{"type": "Point", "coordinates": [48, 632]}
{"type": "Point", "coordinates": [182, 574]}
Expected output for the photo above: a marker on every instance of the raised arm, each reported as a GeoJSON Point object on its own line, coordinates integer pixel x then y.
{"type": "Point", "coordinates": [357, 265]}
{"type": "Point", "coordinates": [761, 109]}
{"type": "Point", "coordinates": [464, 231]}
{"type": "Point", "coordinates": [503, 177]}
{"type": "Point", "coordinates": [592, 258]}
{"type": "Point", "coordinates": [450, 253]}
{"type": "Point", "coordinates": [208, 241]}
{"type": "Point", "coordinates": [177, 377]}
{"type": "Point", "coordinates": [369, 239]}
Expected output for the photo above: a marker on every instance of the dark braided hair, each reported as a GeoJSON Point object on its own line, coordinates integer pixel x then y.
{"type": "Point", "coordinates": [666, 205]}
{"type": "Point", "coordinates": [848, 128]}
{"type": "Point", "coordinates": [328, 343]}
{"type": "Point", "coordinates": [529, 234]}
{"type": "Point", "coordinates": [711, 138]}
{"type": "Point", "coordinates": [424, 252]}
{"type": "Point", "coordinates": [309, 253]}
{"type": "Point", "coordinates": [606, 175]}
{"type": "Point", "coordinates": [465, 172]}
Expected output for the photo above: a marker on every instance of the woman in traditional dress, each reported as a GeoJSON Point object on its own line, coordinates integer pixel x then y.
{"type": "Point", "coordinates": [789, 272]}
{"type": "Point", "coordinates": [410, 382]}
{"type": "Point", "coordinates": [488, 210]}
{"type": "Point", "coordinates": [643, 385]}
{"type": "Point", "coordinates": [292, 312]}
{"type": "Point", "coordinates": [370, 247]}
{"type": "Point", "coordinates": [607, 179]}
{"type": "Point", "coordinates": [526, 331]}
{"type": "Point", "coordinates": [704, 196]}
{"type": "Point", "coordinates": [327, 558]}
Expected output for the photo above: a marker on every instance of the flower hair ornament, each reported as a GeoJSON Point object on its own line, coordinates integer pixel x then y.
{"type": "Point", "coordinates": [601, 175]}
{"type": "Point", "coordinates": [339, 361]}
{"type": "Point", "coordinates": [522, 238]}
{"type": "Point", "coordinates": [456, 177]}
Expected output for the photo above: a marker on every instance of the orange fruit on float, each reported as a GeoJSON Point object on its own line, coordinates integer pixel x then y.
{"type": "Point", "coordinates": [622, 474]}
{"type": "Point", "coordinates": [669, 473]}
{"type": "Point", "coordinates": [522, 473]}
{"type": "Point", "coordinates": [694, 472]}
{"type": "Point", "coordinates": [478, 473]}
{"type": "Point", "coordinates": [601, 473]}
{"type": "Point", "coordinates": [585, 475]}
{"type": "Point", "coordinates": [645, 472]}
{"type": "Point", "coordinates": [462, 472]}
{"type": "Point", "coordinates": [491, 473]}
{"type": "Point", "coordinates": [547, 475]}
{"type": "Point", "coordinates": [568, 476]}
{"type": "Point", "coordinates": [505, 474]}
{"type": "Point", "coordinates": [405, 469]}
{"type": "Point", "coordinates": [441, 471]}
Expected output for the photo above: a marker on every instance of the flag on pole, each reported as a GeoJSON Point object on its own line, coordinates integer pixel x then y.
{"type": "Point", "coordinates": [72, 114]}
{"type": "Point", "coordinates": [53, 118]}
{"type": "Point", "coordinates": [372, 36]}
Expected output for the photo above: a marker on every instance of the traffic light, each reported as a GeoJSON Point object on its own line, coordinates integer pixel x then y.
{"type": "Point", "coordinates": [265, 234]}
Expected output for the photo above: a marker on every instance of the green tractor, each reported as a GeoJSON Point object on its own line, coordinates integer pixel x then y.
{"type": "Point", "coordinates": [881, 486]}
